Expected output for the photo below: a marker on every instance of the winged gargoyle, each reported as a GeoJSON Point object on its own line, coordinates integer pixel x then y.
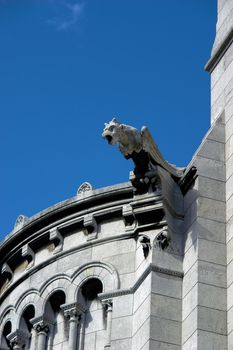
{"type": "Point", "coordinates": [141, 148]}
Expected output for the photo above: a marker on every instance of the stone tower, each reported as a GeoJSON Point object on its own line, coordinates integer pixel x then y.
{"type": "Point", "coordinates": [143, 265]}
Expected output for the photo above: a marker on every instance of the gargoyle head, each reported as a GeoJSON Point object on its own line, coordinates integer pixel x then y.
{"type": "Point", "coordinates": [111, 131]}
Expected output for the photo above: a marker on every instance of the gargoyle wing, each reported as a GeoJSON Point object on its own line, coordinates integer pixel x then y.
{"type": "Point", "coordinates": [156, 157]}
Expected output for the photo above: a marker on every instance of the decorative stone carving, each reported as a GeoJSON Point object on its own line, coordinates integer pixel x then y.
{"type": "Point", "coordinates": [20, 221]}
{"type": "Point", "coordinates": [41, 324]}
{"type": "Point", "coordinates": [90, 225]}
{"type": "Point", "coordinates": [85, 187]}
{"type": "Point", "coordinates": [146, 245]}
{"type": "Point", "coordinates": [128, 215]}
{"type": "Point", "coordinates": [73, 311]}
{"type": "Point", "coordinates": [28, 253]}
{"type": "Point", "coordinates": [7, 272]}
{"type": "Point", "coordinates": [141, 148]}
{"type": "Point", "coordinates": [163, 239]}
{"type": "Point", "coordinates": [56, 237]}
{"type": "Point", "coordinates": [18, 339]}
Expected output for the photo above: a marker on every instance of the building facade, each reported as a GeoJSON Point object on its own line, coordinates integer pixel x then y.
{"type": "Point", "coordinates": [143, 265]}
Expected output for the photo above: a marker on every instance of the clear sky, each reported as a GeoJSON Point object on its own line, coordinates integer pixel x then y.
{"type": "Point", "coordinates": [66, 67]}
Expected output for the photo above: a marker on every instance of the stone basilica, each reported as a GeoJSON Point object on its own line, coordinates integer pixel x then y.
{"type": "Point", "coordinates": [143, 265]}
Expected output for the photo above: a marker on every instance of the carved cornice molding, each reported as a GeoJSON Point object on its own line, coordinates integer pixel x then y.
{"type": "Point", "coordinates": [149, 269]}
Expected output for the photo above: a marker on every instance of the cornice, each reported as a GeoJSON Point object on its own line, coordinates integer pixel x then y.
{"type": "Point", "coordinates": [219, 51]}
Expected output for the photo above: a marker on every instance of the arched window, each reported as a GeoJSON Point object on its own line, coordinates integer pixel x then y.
{"type": "Point", "coordinates": [93, 320]}
{"type": "Point", "coordinates": [26, 327]}
{"type": "Point", "coordinates": [53, 312]}
{"type": "Point", "coordinates": [5, 344]}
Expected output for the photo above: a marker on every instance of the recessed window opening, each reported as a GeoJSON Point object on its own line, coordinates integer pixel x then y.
{"type": "Point", "coordinates": [91, 288]}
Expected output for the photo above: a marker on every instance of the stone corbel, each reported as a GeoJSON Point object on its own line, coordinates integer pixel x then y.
{"type": "Point", "coordinates": [129, 217]}
{"type": "Point", "coordinates": [18, 339]}
{"type": "Point", "coordinates": [90, 224]}
{"type": "Point", "coordinates": [6, 271]}
{"type": "Point", "coordinates": [163, 239]}
{"type": "Point", "coordinates": [28, 253]}
{"type": "Point", "coordinates": [146, 245]}
{"type": "Point", "coordinates": [57, 239]}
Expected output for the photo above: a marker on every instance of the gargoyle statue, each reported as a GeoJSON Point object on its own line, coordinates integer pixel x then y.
{"type": "Point", "coordinates": [141, 148]}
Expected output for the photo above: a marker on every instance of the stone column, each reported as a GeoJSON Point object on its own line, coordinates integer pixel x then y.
{"type": "Point", "coordinates": [108, 309]}
{"type": "Point", "coordinates": [18, 339]}
{"type": "Point", "coordinates": [73, 312]}
{"type": "Point", "coordinates": [41, 326]}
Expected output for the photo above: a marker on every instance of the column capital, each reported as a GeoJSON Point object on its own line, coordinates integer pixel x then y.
{"type": "Point", "coordinates": [41, 324]}
{"type": "Point", "coordinates": [107, 303]}
{"type": "Point", "coordinates": [18, 339]}
{"type": "Point", "coordinates": [73, 311]}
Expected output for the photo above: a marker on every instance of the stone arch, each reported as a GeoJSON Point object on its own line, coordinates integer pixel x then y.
{"type": "Point", "coordinates": [105, 272]}
{"type": "Point", "coordinates": [31, 297]}
{"type": "Point", "coordinates": [7, 315]}
{"type": "Point", "coordinates": [56, 283]}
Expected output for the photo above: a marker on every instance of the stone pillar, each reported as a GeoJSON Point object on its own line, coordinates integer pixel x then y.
{"type": "Point", "coordinates": [108, 307]}
{"type": "Point", "coordinates": [73, 312]}
{"type": "Point", "coordinates": [18, 339]}
{"type": "Point", "coordinates": [41, 326]}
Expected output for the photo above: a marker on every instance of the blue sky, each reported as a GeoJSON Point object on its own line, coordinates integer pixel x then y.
{"type": "Point", "coordinates": [66, 67]}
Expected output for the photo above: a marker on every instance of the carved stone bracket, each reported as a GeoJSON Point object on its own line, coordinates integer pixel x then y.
{"type": "Point", "coordinates": [41, 324]}
{"type": "Point", "coordinates": [129, 217]}
{"type": "Point", "coordinates": [107, 304]}
{"type": "Point", "coordinates": [163, 239]}
{"type": "Point", "coordinates": [18, 339]}
{"type": "Point", "coordinates": [146, 245]}
{"type": "Point", "coordinates": [73, 312]}
{"type": "Point", "coordinates": [57, 239]}
{"type": "Point", "coordinates": [28, 253]}
{"type": "Point", "coordinates": [7, 272]}
{"type": "Point", "coordinates": [90, 224]}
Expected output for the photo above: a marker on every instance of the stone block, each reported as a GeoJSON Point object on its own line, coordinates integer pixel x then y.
{"type": "Point", "coordinates": [167, 260]}
{"type": "Point", "coordinates": [217, 107]}
{"type": "Point", "coordinates": [142, 293]}
{"type": "Point", "coordinates": [213, 189]}
{"type": "Point", "coordinates": [165, 330]}
{"type": "Point", "coordinates": [166, 285]}
{"type": "Point", "coordinates": [230, 297]}
{"type": "Point", "coordinates": [124, 344]}
{"type": "Point", "coordinates": [212, 320]}
{"type": "Point", "coordinates": [230, 320]}
{"type": "Point", "coordinates": [190, 279]}
{"type": "Point", "coordinates": [229, 128]}
{"type": "Point", "coordinates": [190, 257]}
{"type": "Point", "coordinates": [212, 297]}
{"type": "Point", "coordinates": [230, 341]}
{"type": "Point", "coordinates": [210, 168]}
{"type": "Point", "coordinates": [212, 251]}
{"type": "Point", "coordinates": [190, 302]}
{"type": "Point", "coordinates": [229, 112]}
{"type": "Point", "coordinates": [211, 341]}
{"type": "Point", "coordinates": [213, 274]}
{"type": "Point", "coordinates": [189, 325]}
{"type": "Point", "coordinates": [155, 345]}
{"type": "Point", "coordinates": [123, 306]}
{"type": "Point", "coordinates": [211, 230]}
{"type": "Point", "coordinates": [109, 249]}
{"type": "Point", "coordinates": [121, 328]}
{"type": "Point", "coordinates": [166, 307]}
{"type": "Point", "coordinates": [213, 150]}
{"type": "Point", "coordinates": [229, 251]}
{"type": "Point", "coordinates": [230, 273]}
{"type": "Point", "coordinates": [229, 208]}
{"type": "Point", "coordinates": [124, 263]}
{"type": "Point", "coordinates": [127, 280]}
{"type": "Point", "coordinates": [191, 343]}
{"type": "Point", "coordinates": [142, 336]}
{"type": "Point", "coordinates": [109, 228]}
{"type": "Point", "coordinates": [211, 209]}
{"type": "Point", "coordinates": [142, 314]}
